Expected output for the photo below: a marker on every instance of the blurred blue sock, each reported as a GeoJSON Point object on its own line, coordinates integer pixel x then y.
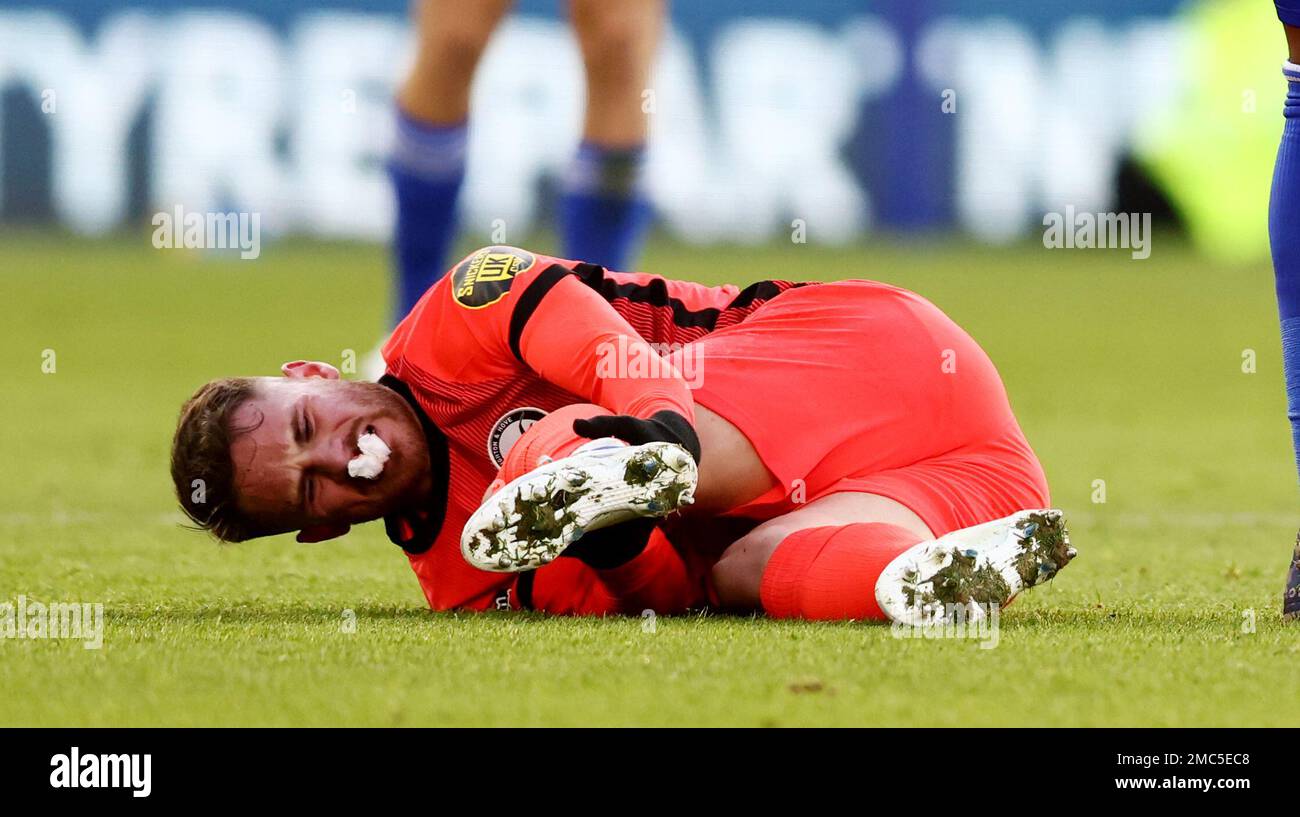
{"type": "Point", "coordinates": [1284, 236]}
{"type": "Point", "coordinates": [427, 166]}
{"type": "Point", "coordinates": [602, 212]}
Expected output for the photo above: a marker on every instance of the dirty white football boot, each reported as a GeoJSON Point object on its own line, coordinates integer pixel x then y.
{"type": "Point", "coordinates": [973, 568]}
{"type": "Point", "coordinates": [532, 519]}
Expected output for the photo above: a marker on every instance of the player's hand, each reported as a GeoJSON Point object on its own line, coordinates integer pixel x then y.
{"type": "Point", "coordinates": [662, 426]}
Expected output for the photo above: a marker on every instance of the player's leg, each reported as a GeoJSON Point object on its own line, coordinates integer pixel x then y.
{"type": "Point", "coordinates": [556, 488]}
{"type": "Point", "coordinates": [1284, 235]}
{"type": "Point", "coordinates": [868, 557]}
{"type": "Point", "coordinates": [427, 164]}
{"type": "Point", "coordinates": [903, 429]}
{"type": "Point", "coordinates": [832, 550]}
{"type": "Point", "coordinates": [636, 562]}
{"type": "Point", "coordinates": [730, 473]}
{"type": "Point", "coordinates": [603, 211]}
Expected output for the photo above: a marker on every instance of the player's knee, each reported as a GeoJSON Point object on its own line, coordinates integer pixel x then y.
{"type": "Point", "coordinates": [738, 576]}
{"type": "Point", "coordinates": [732, 584]}
{"type": "Point", "coordinates": [455, 53]}
{"type": "Point", "coordinates": [454, 45]}
{"type": "Point", "coordinates": [616, 47]}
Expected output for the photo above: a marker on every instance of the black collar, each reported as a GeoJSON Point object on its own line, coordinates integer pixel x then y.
{"type": "Point", "coordinates": [414, 529]}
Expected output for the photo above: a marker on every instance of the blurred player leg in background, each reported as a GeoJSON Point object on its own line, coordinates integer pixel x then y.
{"type": "Point", "coordinates": [603, 212]}
{"type": "Point", "coordinates": [1284, 235]}
{"type": "Point", "coordinates": [427, 165]}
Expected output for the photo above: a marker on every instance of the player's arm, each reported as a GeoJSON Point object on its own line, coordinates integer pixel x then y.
{"type": "Point", "coordinates": [571, 336]}
{"type": "Point", "coordinates": [564, 587]}
{"type": "Point", "coordinates": [540, 316]}
{"type": "Point", "coordinates": [654, 579]}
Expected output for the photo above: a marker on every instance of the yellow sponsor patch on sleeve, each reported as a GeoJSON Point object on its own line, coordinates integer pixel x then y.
{"type": "Point", "coordinates": [485, 277]}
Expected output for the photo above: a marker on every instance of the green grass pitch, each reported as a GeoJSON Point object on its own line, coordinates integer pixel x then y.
{"type": "Point", "coordinates": [1122, 371]}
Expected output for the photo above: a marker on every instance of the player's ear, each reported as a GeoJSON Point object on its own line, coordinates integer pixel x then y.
{"type": "Point", "coordinates": [309, 368]}
{"type": "Point", "coordinates": [320, 533]}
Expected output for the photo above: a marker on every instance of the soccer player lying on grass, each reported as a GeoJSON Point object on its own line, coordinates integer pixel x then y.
{"type": "Point", "coordinates": [838, 428]}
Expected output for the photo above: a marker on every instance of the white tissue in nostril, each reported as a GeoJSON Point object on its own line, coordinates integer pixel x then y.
{"type": "Point", "coordinates": [370, 463]}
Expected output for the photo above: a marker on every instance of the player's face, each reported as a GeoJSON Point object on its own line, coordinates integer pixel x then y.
{"type": "Point", "coordinates": [291, 468]}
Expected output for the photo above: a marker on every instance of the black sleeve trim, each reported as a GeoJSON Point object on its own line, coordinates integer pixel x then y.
{"type": "Point", "coordinates": [655, 293]}
{"type": "Point", "coordinates": [530, 300]}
